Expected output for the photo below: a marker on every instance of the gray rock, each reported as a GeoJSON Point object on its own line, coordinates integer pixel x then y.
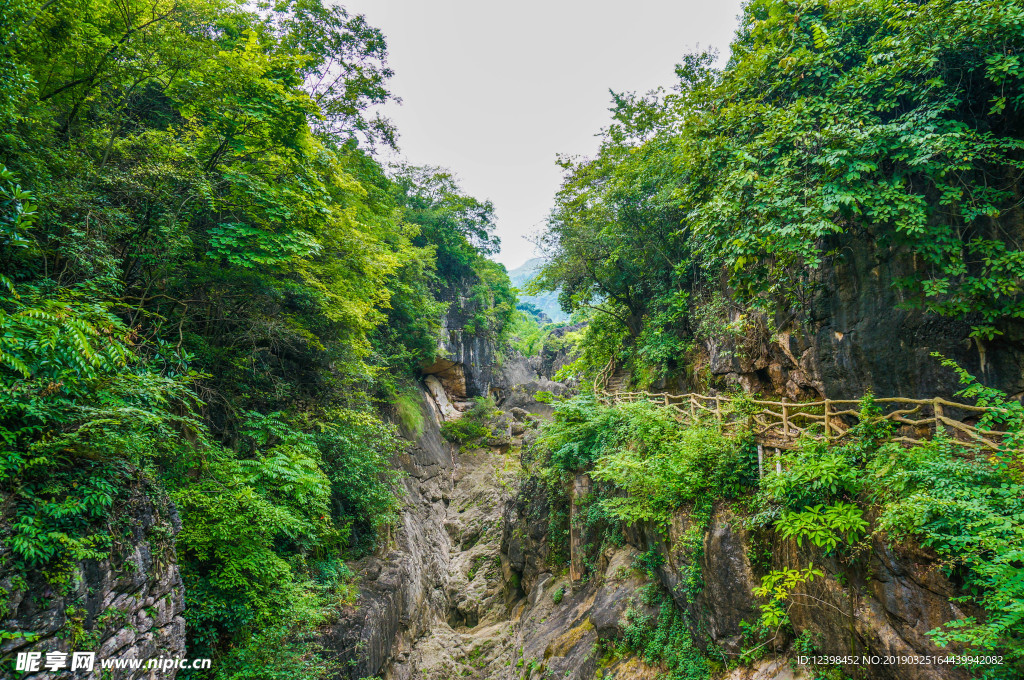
{"type": "Point", "coordinates": [129, 605]}
{"type": "Point", "coordinates": [855, 333]}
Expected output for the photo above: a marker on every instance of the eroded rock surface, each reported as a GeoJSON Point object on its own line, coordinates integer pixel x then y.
{"type": "Point", "coordinates": [402, 588]}
{"type": "Point", "coordinates": [128, 606]}
{"type": "Point", "coordinates": [856, 333]}
{"type": "Point", "coordinates": [470, 588]}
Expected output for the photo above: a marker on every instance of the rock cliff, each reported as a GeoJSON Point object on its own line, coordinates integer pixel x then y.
{"type": "Point", "coordinates": [471, 585]}
{"type": "Point", "coordinates": [402, 588]}
{"type": "Point", "coordinates": [466, 362]}
{"type": "Point", "coordinates": [855, 332]}
{"type": "Point", "coordinates": [128, 606]}
{"type": "Point", "coordinates": [892, 596]}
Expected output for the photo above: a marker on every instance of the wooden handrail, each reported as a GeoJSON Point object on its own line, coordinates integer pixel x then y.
{"type": "Point", "coordinates": [774, 422]}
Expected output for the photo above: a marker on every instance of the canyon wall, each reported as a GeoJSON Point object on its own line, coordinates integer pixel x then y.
{"type": "Point", "coordinates": [127, 606]}
{"type": "Point", "coordinates": [855, 331]}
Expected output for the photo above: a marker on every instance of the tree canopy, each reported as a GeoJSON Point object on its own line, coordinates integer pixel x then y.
{"type": "Point", "coordinates": [210, 282]}
{"type": "Point", "coordinates": [891, 123]}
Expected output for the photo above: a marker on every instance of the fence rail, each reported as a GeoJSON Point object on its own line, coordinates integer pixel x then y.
{"type": "Point", "coordinates": [780, 423]}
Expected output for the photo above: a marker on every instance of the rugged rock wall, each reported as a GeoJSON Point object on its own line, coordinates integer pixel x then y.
{"type": "Point", "coordinates": [467, 362]}
{"type": "Point", "coordinates": [469, 588]}
{"type": "Point", "coordinates": [128, 606]}
{"type": "Point", "coordinates": [854, 332]}
{"type": "Point", "coordinates": [402, 589]}
{"type": "Point", "coordinates": [558, 350]}
{"type": "Point", "coordinates": [487, 622]}
{"type": "Point", "coordinates": [893, 596]}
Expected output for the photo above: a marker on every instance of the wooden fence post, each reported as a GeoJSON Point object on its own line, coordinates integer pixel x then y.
{"type": "Point", "coordinates": [937, 409]}
{"type": "Point", "coordinates": [778, 461]}
{"type": "Point", "coordinates": [828, 425]}
{"type": "Point", "coordinates": [760, 462]}
{"type": "Point", "coordinates": [785, 419]}
{"type": "Point", "coordinates": [718, 414]}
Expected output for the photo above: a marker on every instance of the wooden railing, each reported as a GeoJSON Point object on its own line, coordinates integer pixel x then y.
{"type": "Point", "coordinates": [603, 376]}
{"type": "Point", "coordinates": [780, 423]}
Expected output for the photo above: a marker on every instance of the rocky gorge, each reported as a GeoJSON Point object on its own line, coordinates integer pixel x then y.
{"type": "Point", "coordinates": [469, 586]}
{"type": "Point", "coordinates": [469, 583]}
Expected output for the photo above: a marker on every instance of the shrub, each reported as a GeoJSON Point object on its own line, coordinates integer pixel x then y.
{"type": "Point", "coordinates": [464, 430]}
{"type": "Point", "coordinates": [472, 426]}
{"type": "Point", "coordinates": [660, 465]}
{"type": "Point", "coordinates": [665, 639]}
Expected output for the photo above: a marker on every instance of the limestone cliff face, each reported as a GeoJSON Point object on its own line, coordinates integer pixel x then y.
{"type": "Point", "coordinates": [469, 363]}
{"type": "Point", "coordinates": [883, 603]}
{"type": "Point", "coordinates": [468, 587]}
{"type": "Point", "coordinates": [402, 587]}
{"type": "Point", "coordinates": [128, 606]}
{"type": "Point", "coordinates": [855, 332]}
{"type": "Point", "coordinates": [466, 362]}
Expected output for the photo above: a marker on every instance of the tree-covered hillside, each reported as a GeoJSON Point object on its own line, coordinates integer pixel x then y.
{"type": "Point", "coordinates": [209, 283]}
{"type": "Point", "coordinates": [835, 127]}
{"type": "Point", "coordinates": [841, 198]}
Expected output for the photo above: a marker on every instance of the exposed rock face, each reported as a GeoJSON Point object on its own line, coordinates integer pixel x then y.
{"type": "Point", "coordinates": [725, 599]}
{"type": "Point", "coordinates": [563, 639]}
{"type": "Point", "coordinates": [439, 400]}
{"type": "Point", "coordinates": [557, 350]}
{"type": "Point", "coordinates": [436, 604]}
{"type": "Point", "coordinates": [128, 606]}
{"type": "Point", "coordinates": [468, 587]}
{"type": "Point", "coordinates": [402, 590]}
{"type": "Point", "coordinates": [525, 533]}
{"type": "Point", "coordinates": [898, 595]}
{"type": "Point", "coordinates": [468, 364]}
{"type": "Point", "coordinates": [855, 334]}
{"type": "Point", "coordinates": [520, 383]}
{"type": "Point", "coordinates": [466, 361]}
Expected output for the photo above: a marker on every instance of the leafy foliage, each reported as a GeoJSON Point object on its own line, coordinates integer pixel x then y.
{"type": "Point", "coordinates": [665, 639]}
{"type": "Point", "coordinates": [829, 499]}
{"type": "Point", "coordinates": [965, 506]}
{"type": "Point", "coordinates": [474, 425]}
{"type": "Point", "coordinates": [971, 513]}
{"type": "Point", "coordinates": [891, 125]}
{"type": "Point", "coordinates": [660, 466]}
{"type": "Point", "coordinates": [208, 284]}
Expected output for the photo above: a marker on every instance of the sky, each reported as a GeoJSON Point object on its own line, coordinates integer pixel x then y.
{"type": "Point", "coordinates": [494, 91]}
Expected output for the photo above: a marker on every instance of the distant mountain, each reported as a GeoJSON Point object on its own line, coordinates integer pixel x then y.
{"type": "Point", "coordinates": [547, 302]}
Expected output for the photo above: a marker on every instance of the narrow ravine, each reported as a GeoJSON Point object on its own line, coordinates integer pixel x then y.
{"type": "Point", "coordinates": [493, 572]}
{"type": "Point", "coordinates": [475, 634]}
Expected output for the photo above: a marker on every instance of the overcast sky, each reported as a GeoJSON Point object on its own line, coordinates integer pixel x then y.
{"type": "Point", "coordinates": [494, 90]}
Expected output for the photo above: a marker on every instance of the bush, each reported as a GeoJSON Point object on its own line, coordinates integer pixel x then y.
{"type": "Point", "coordinates": [967, 506]}
{"type": "Point", "coordinates": [660, 465]}
{"type": "Point", "coordinates": [665, 639]}
{"type": "Point", "coordinates": [357, 449]}
{"type": "Point", "coordinates": [464, 430]}
{"type": "Point", "coordinates": [472, 426]}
